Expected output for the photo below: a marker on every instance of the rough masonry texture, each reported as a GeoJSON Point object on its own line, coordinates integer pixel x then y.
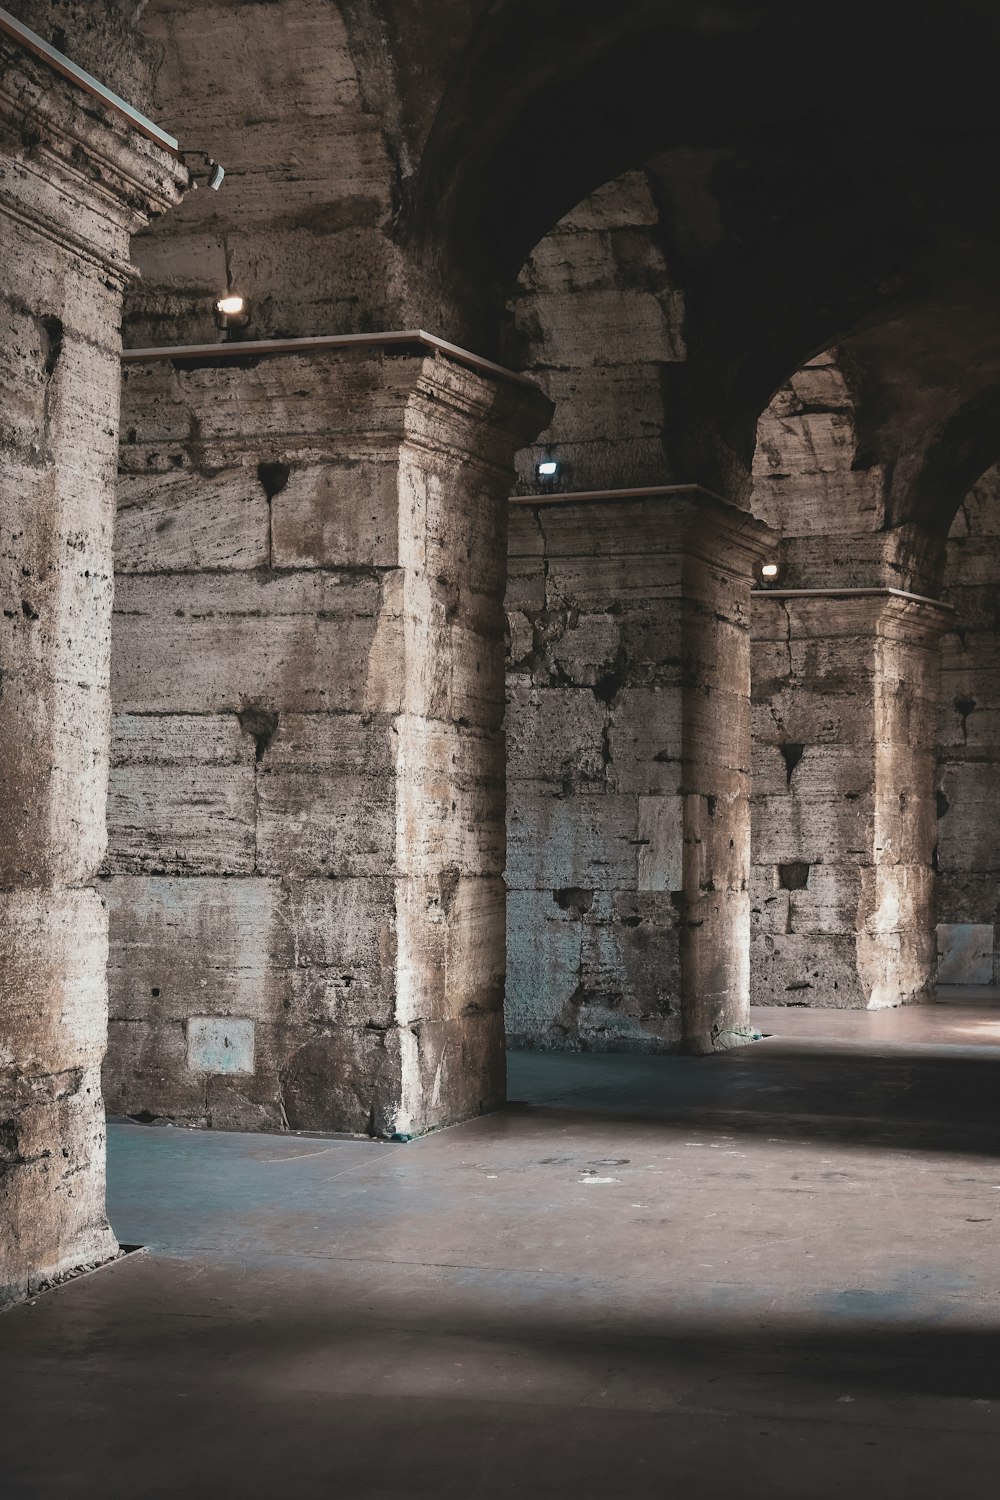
{"type": "Point", "coordinates": [595, 318]}
{"type": "Point", "coordinates": [74, 183]}
{"type": "Point", "coordinates": [845, 689]}
{"type": "Point", "coordinates": [968, 839]}
{"type": "Point", "coordinates": [306, 803]}
{"type": "Point", "coordinates": [628, 733]}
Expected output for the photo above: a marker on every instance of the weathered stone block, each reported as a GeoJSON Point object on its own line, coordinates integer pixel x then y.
{"type": "Point", "coordinates": [337, 515]}
{"type": "Point", "coordinates": [807, 969]}
{"type": "Point", "coordinates": [171, 819]}
{"type": "Point", "coordinates": [554, 733]}
{"type": "Point", "coordinates": [217, 643]}
{"type": "Point", "coordinates": [645, 740]}
{"type": "Point", "coordinates": [183, 523]}
{"type": "Point", "coordinates": [543, 966]}
{"type": "Point", "coordinates": [587, 841]}
{"type": "Point", "coordinates": [661, 843]}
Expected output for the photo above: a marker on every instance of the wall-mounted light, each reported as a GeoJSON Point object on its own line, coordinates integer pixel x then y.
{"type": "Point", "coordinates": [769, 574]}
{"type": "Point", "coordinates": [212, 173]}
{"type": "Point", "coordinates": [231, 311]}
{"type": "Point", "coordinates": [548, 472]}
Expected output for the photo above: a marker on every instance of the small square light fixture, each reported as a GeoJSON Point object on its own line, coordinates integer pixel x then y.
{"type": "Point", "coordinates": [211, 172]}
{"type": "Point", "coordinates": [548, 472]}
{"type": "Point", "coordinates": [769, 573]}
{"type": "Point", "coordinates": [232, 311]}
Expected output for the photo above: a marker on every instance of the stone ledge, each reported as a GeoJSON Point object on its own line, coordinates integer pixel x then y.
{"type": "Point", "coordinates": [407, 338]}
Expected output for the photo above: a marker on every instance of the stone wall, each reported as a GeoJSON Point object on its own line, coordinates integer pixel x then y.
{"type": "Point", "coordinates": [845, 688]}
{"type": "Point", "coordinates": [593, 941]}
{"type": "Point", "coordinates": [627, 780]}
{"type": "Point", "coordinates": [306, 803]}
{"type": "Point", "coordinates": [74, 183]}
{"type": "Point", "coordinates": [812, 484]}
{"type": "Point", "coordinates": [968, 847]}
{"type": "Point", "coordinates": [845, 715]}
{"type": "Point", "coordinates": [594, 318]}
{"type": "Point", "coordinates": [299, 227]}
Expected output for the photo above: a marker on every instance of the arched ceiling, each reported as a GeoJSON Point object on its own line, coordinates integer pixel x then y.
{"type": "Point", "coordinates": [822, 174]}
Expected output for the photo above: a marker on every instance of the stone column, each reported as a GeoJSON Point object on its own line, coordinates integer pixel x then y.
{"type": "Point", "coordinates": [75, 182]}
{"type": "Point", "coordinates": [629, 754]}
{"type": "Point", "coordinates": [307, 798]}
{"type": "Point", "coordinates": [845, 690]}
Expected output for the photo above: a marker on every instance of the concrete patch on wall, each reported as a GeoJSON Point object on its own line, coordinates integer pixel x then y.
{"type": "Point", "coordinates": [965, 953]}
{"type": "Point", "coordinates": [217, 1045]}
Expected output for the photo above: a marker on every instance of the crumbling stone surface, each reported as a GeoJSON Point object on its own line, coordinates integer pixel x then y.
{"type": "Point", "coordinates": [100, 36]}
{"type": "Point", "coordinates": [306, 799]}
{"type": "Point", "coordinates": [812, 485]}
{"type": "Point", "coordinates": [301, 226]}
{"type": "Point", "coordinates": [594, 318]}
{"type": "Point", "coordinates": [968, 842]}
{"type": "Point", "coordinates": [74, 183]}
{"type": "Point", "coordinates": [844, 824]}
{"type": "Point", "coordinates": [628, 771]}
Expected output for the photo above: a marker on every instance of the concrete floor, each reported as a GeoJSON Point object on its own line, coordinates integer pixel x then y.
{"type": "Point", "coordinates": [771, 1273]}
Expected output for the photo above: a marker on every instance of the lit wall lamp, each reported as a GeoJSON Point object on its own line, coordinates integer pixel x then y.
{"type": "Point", "coordinates": [769, 574]}
{"type": "Point", "coordinates": [548, 472]}
{"type": "Point", "coordinates": [231, 312]}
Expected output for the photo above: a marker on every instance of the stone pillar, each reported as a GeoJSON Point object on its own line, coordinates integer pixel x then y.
{"type": "Point", "coordinates": [628, 776]}
{"type": "Point", "coordinates": [75, 182]}
{"type": "Point", "coordinates": [968, 863]}
{"type": "Point", "coordinates": [307, 798]}
{"type": "Point", "coordinates": [845, 696]}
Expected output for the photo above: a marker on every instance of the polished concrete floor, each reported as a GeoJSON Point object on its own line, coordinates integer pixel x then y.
{"type": "Point", "coordinates": [771, 1273]}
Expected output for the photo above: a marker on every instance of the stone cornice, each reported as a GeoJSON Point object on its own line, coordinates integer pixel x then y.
{"type": "Point", "coordinates": [32, 42]}
{"type": "Point", "coordinates": [702, 524]}
{"type": "Point", "coordinates": [884, 593]}
{"type": "Point", "coordinates": [421, 397]}
{"type": "Point", "coordinates": [416, 339]}
{"type": "Point", "coordinates": [426, 378]}
{"type": "Point", "coordinates": [641, 492]}
{"type": "Point", "coordinates": [78, 175]}
{"type": "Point", "coordinates": [887, 612]}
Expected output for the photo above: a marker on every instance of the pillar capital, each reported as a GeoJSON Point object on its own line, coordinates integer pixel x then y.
{"type": "Point", "coordinates": [679, 519]}
{"type": "Point", "coordinates": [835, 613]}
{"type": "Point", "coordinates": [75, 170]}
